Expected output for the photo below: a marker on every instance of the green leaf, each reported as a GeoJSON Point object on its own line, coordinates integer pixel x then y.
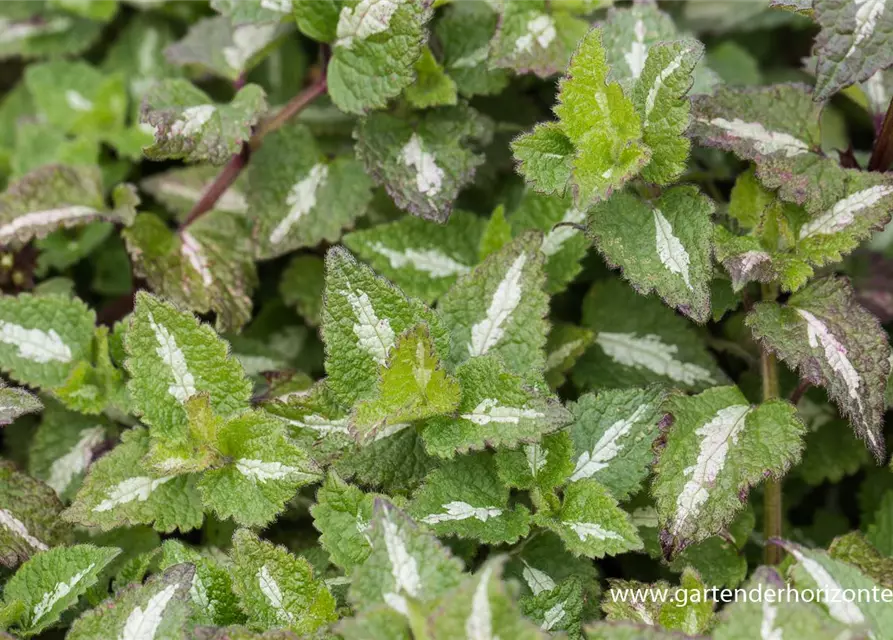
{"type": "Point", "coordinates": [661, 101]}
{"type": "Point", "coordinates": [499, 308]}
{"type": "Point", "coordinates": [220, 47]}
{"type": "Point", "coordinates": [180, 189]}
{"type": "Point", "coordinates": [638, 341]}
{"type": "Point", "coordinates": [407, 568]}
{"type": "Point", "coordinates": [718, 447]}
{"type": "Point", "coordinates": [362, 316]}
{"type": "Point", "coordinates": [618, 606]}
{"type": "Point", "coordinates": [54, 33]}
{"type": "Point", "coordinates": [496, 235]}
{"type": "Point", "coordinates": [696, 614]}
{"type": "Point", "coordinates": [590, 523]}
{"type": "Point", "coordinates": [119, 490]}
{"type": "Point", "coordinates": [277, 589]}
{"type": "Point", "coordinates": [749, 199]}
{"type": "Point", "coordinates": [451, 505]}
{"type": "Point", "coordinates": [302, 284]}
{"type": "Point", "coordinates": [481, 606]}
{"type": "Point", "coordinates": [172, 358]}
{"type": "Point", "coordinates": [532, 38]}
{"type": "Point", "coordinates": [374, 52]}
{"type": "Point", "coordinates": [853, 44]}
{"type": "Point", "coordinates": [396, 464]}
{"type": "Point", "coordinates": [432, 86]}
{"type": "Point", "coordinates": [496, 409]}
{"type": "Point", "coordinates": [832, 451]}
{"type": "Point", "coordinates": [412, 386]}
{"type": "Point", "coordinates": [425, 160]}
{"type": "Point", "coordinates": [265, 471]}
{"type": "Point", "coordinates": [540, 466]}
{"type": "Point", "coordinates": [557, 609]}
{"type": "Point", "coordinates": [854, 549]}
{"type": "Point", "coordinates": [58, 196]}
{"type": "Point", "coordinates": [253, 11]}
{"type": "Point", "coordinates": [189, 126]}
{"type": "Point", "coordinates": [52, 581]}
{"type": "Point", "coordinates": [29, 517]}
{"type": "Point", "coordinates": [835, 343]}
{"type": "Point", "coordinates": [613, 433]}
{"type": "Point", "coordinates": [205, 267]}
{"type": "Point", "coordinates": [464, 31]}
{"type": "Point", "coordinates": [564, 346]}
{"type": "Point", "coordinates": [298, 197]}
{"type": "Point", "coordinates": [664, 246]}
{"type": "Point", "coordinates": [15, 403]}
{"type": "Point", "coordinates": [43, 338]}
{"type": "Point", "coordinates": [142, 65]}
{"type": "Point", "coordinates": [422, 258]}
{"type": "Point", "coordinates": [342, 514]}
{"type": "Point", "coordinates": [157, 609]}
{"type": "Point", "coordinates": [317, 20]}
{"type": "Point", "coordinates": [545, 157]}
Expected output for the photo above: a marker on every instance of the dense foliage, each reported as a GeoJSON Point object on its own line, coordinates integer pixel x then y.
{"type": "Point", "coordinates": [401, 319]}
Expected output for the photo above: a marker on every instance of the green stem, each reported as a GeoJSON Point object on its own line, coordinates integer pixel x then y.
{"type": "Point", "coordinates": [772, 489]}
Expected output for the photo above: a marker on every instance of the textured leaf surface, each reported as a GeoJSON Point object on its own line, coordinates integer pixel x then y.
{"type": "Point", "coordinates": [833, 342]}
{"type": "Point", "coordinates": [432, 87]}
{"type": "Point", "coordinates": [662, 246]}
{"type": "Point", "coordinates": [397, 464]}
{"type": "Point", "coordinates": [342, 514]}
{"type": "Point", "coordinates": [565, 345]}
{"type": "Point", "coordinates": [545, 157]}
{"type": "Point", "coordinates": [540, 465]}
{"type": "Point", "coordinates": [15, 403]}
{"type": "Point", "coordinates": [465, 30]}
{"type": "Point", "coordinates": [718, 447]}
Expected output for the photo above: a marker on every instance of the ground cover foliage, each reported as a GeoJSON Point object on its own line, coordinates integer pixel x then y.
{"type": "Point", "coordinates": [372, 319]}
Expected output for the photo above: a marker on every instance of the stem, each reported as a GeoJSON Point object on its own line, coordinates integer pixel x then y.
{"type": "Point", "coordinates": [772, 490]}
{"type": "Point", "coordinates": [237, 163]}
{"type": "Point", "coordinates": [882, 156]}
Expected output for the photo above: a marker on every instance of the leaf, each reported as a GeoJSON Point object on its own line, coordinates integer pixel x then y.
{"type": "Point", "coordinates": [854, 549]}
{"type": "Point", "coordinates": [302, 284]}
{"type": "Point", "coordinates": [51, 582]}
{"type": "Point", "coordinates": [496, 409]}
{"type": "Point", "coordinates": [15, 403]}
{"type": "Point", "coordinates": [362, 316]}
{"type": "Point", "coordinates": [718, 447]}
{"type": "Point", "coordinates": [172, 358]}
{"type": "Point", "coordinates": [222, 48]}
{"type": "Point", "coordinates": [43, 338]}
{"type": "Point", "coordinates": [396, 464]}
{"type": "Point", "coordinates": [277, 589]}
{"type": "Point", "coordinates": [118, 491]}
{"type": "Point", "coordinates": [539, 466]}
{"type": "Point", "coordinates": [265, 471]}
{"type": "Point", "coordinates": [496, 235]}
{"type": "Point", "coordinates": [413, 385]}
{"type": "Point", "coordinates": [317, 20]}
{"type": "Point", "coordinates": [499, 308]}
{"type": "Point", "coordinates": [545, 157]}
{"type": "Point", "coordinates": [342, 514]}
{"type": "Point", "coordinates": [533, 38]}
{"type": "Point", "coordinates": [563, 244]}
{"type": "Point", "coordinates": [638, 341]}
{"type": "Point", "coordinates": [613, 433]}
{"type": "Point", "coordinates": [590, 523]}
{"type": "Point", "coordinates": [189, 126]}
{"type": "Point", "coordinates": [158, 607]}
{"type": "Point", "coordinates": [664, 246]}
{"type": "Point", "coordinates": [564, 346]}
{"type": "Point", "coordinates": [377, 43]}
{"type": "Point", "coordinates": [481, 607]}
{"type": "Point", "coordinates": [180, 189]}
{"type": "Point", "coordinates": [660, 99]}
{"type": "Point", "coordinates": [407, 567]}
{"type": "Point", "coordinates": [432, 86]}
{"type": "Point", "coordinates": [832, 451]}
{"type": "Point", "coordinates": [696, 615]}
{"type": "Point", "coordinates": [58, 196]}
{"type": "Point", "coordinates": [205, 267]}
{"type": "Point", "coordinates": [299, 197]}
{"type": "Point", "coordinates": [464, 31]}
{"type": "Point", "coordinates": [451, 505]}
{"type": "Point", "coordinates": [57, 33]}
{"type": "Point", "coordinates": [558, 609]}
{"type": "Point", "coordinates": [29, 517]}
{"type": "Point", "coordinates": [835, 343]}
{"type": "Point", "coordinates": [854, 43]}
{"type": "Point", "coordinates": [602, 124]}
{"type": "Point", "coordinates": [423, 161]}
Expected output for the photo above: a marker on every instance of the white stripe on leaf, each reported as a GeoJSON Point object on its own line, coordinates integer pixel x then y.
{"type": "Point", "coordinates": [170, 353]}
{"type": "Point", "coordinates": [192, 251]}
{"type": "Point", "coordinates": [138, 488]}
{"type": "Point", "coordinates": [868, 13]}
{"type": "Point", "coordinates": [75, 461]}
{"type": "Point", "coordinates": [248, 39]}
{"type": "Point", "coordinates": [404, 568]}
{"type": "Point", "coordinates": [479, 625]}
{"type": "Point", "coordinates": [650, 352]}
{"type": "Point", "coordinates": [587, 530]}
{"type": "Point", "coordinates": [263, 471]}
{"type": "Point", "coordinates": [846, 612]}
{"type": "Point", "coordinates": [553, 616]}
{"type": "Point", "coordinates": [322, 425]}
{"type": "Point", "coordinates": [45, 219]}
{"type": "Point", "coordinates": [555, 239]}
{"type": "Point", "coordinates": [768, 630]}
{"type": "Point", "coordinates": [489, 411]}
{"type": "Point", "coordinates": [609, 445]}
{"type": "Point", "coordinates": [50, 598]}
{"type": "Point", "coordinates": [489, 331]}
{"type": "Point", "coordinates": [18, 529]}
{"type": "Point", "coordinates": [844, 212]}
{"type": "Point", "coordinates": [670, 250]}
{"type": "Point", "coordinates": [375, 335]}
{"type": "Point", "coordinates": [77, 101]}
{"type": "Point", "coordinates": [764, 141]}
{"type": "Point", "coordinates": [429, 177]}
{"type": "Point", "coordinates": [142, 624]}
{"type": "Point", "coordinates": [270, 588]}
{"type": "Point", "coordinates": [300, 201]}
{"type": "Point", "coordinates": [34, 344]}
{"type": "Point", "coordinates": [659, 81]}
{"type": "Point", "coordinates": [540, 30]}
{"type": "Point", "coordinates": [366, 19]}
{"type": "Point", "coordinates": [538, 581]}
{"type": "Point", "coordinates": [638, 52]}
{"type": "Point", "coordinates": [430, 261]}
{"type": "Point", "coordinates": [455, 511]}
{"type": "Point", "coordinates": [191, 120]}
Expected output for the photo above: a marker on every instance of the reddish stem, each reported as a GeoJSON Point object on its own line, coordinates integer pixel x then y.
{"type": "Point", "coordinates": [882, 155]}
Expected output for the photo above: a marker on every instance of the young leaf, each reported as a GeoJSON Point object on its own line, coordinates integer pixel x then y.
{"type": "Point", "coordinates": [422, 258]}
{"type": "Point", "coordinates": [265, 471]}
{"type": "Point", "coordinates": [118, 491]}
{"type": "Point", "coordinates": [407, 567]}
{"type": "Point", "coordinates": [539, 465]}
{"type": "Point", "coordinates": [590, 522]}
{"type": "Point", "coordinates": [412, 386]}
{"type": "Point", "coordinates": [660, 99]}
{"type": "Point", "coordinates": [362, 316]}
{"type": "Point", "coordinates": [58, 196]}
{"type": "Point", "coordinates": [160, 608]}
{"type": "Point", "coordinates": [189, 126]}
{"type": "Point", "coordinates": [545, 157]}
{"type": "Point", "coordinates": [499, 308]}
{"type": "Point", "coordinates": [342, 514]}
{"type": "Point", "coordinates": [376, 45]}
{"type": "Point", "coordinates": [664, 246]}
{"type": "Point", "coordinates": [52, 581]}
{"type": "Point", "coordinates": [298, 197]}
{"type": "Point", "coordinates": [835, 343]}
{"type": "Point", "coordinates": [564, 346]}
{"type": "Point", "coordinates": [718, 447]}
{"type": "Point", "coordinates": [432, 87]}
{"type": "Point", "coordinates": [451, 505]}
{"type": "Point", "coordinates": [15, 403]}
{"type": "Point", "coordinates": [638, 341]}
{"type": "Point", "coordinates": [277, 589]}
{"type": "Point", "coordinates": [613, 433]}
{"type": "Point", "coordinates": [496, 409]}
{"type": "Point", "coordinates": [424, 161]}
{"type": "Point", "coordinates": [464, 32]}
{"type": "Point", "coordinates": [497, 234]}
